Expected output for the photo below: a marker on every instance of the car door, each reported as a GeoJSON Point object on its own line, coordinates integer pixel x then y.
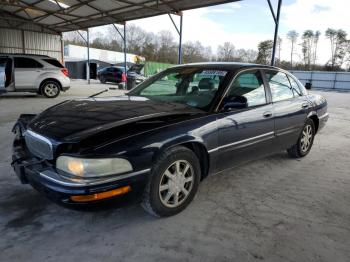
{"type": "Point", "coordinates": [248, 132]}
{"type": "Point", "coordinates": [117, 75]}
{"type": "Point", "coordinates": [290, 108]}
{"type": "Point", "coordinates": [27, 71]}
{"type": "Point", "coordinates": [6, 74]}
{"type": "Point", "coordinates": [108, 74]}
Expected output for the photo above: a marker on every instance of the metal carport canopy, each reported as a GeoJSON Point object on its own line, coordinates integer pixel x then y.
{"type": "Point", "coordinates": [68, 15]}
{"type": "Point", "coordinates": [57, 16]}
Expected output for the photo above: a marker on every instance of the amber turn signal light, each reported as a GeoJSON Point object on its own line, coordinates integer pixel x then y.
{"type": "Point", "coordinates": [103, 195]}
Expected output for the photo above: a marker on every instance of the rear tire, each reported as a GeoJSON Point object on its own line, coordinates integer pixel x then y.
{"type": "Point", "coordinates": [305, 141]}
{"type": "Point", "coordinates": [173, 182]}
{"type": "Point", "coordinates": [102, 80]}
{"type": "Point", "coordinates": [50, 89]}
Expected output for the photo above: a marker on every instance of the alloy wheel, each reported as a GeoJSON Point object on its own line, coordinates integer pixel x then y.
{"type": "Point", "coordinates": [306, 138]}
{"type": "Point", "coordinates": [51, 90]}
{"type": "Point", "coordinates": [176, 183]}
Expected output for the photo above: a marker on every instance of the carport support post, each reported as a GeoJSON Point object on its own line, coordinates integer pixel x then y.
{"type": "Point", "coordinates": [179, 31]}
{"type": "Point", "coordinates": [88, 56]}
{"type": "Point", "coordinates": [124, 38]}
{"type": "Point", "coordinates": [62, 48]}
{"type": "Point", "coordinates": [179, 61]}
{"type": "Point", "coordinates": [277, 21]}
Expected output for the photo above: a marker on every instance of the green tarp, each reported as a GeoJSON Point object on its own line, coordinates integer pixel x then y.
{"type": "Point", "coordinates": [152, 68]}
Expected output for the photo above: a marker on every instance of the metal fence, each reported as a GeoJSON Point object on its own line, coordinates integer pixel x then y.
{"type": "Point", "coordinates": [326, 80]}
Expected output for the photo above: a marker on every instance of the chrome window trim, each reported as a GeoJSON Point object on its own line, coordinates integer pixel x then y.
{"type": "Point", "coordinates": [56, 178]}
{"type": "Point", "coordinates": [241, 141]}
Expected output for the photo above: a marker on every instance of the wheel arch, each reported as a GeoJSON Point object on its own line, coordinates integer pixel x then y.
{"type": "Point", "coordinates": [198, 148]}
{"type": "Point", "coordinates": [313, 116]}
{"type": "Point", "coordinates": [49, 79]}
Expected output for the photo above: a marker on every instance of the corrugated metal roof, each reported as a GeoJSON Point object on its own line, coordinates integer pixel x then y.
{"type": "Point", "coordinates": [68, 15]}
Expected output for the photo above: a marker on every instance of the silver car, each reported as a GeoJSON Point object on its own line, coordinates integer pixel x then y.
{"type": "Point", "coordinates": [33, 73]}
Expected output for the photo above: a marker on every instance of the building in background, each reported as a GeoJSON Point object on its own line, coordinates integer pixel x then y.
{"type": "Point", "coordinates": [76, 60]}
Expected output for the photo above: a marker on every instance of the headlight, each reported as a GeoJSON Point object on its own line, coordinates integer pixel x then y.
{"type": "Point", "coordinates": [93, 167]}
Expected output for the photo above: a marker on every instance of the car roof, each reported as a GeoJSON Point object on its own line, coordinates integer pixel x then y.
{"type": "Point", "coordinates": [118, 67]}
{"type": "Point", "coordinates": [226, 65]}
{"type": "Point", "coordinates": [29, 55]}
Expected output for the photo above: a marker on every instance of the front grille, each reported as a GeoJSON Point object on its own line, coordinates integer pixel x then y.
{"type": "Point", "coordinates": [38, 145]}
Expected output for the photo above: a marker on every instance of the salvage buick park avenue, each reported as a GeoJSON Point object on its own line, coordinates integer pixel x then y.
{"type": "Point", "coordinates": [162, 138]}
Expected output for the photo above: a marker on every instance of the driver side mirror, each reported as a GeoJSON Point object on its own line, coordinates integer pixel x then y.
{"type": "Point", "coordinates": [234, 102]}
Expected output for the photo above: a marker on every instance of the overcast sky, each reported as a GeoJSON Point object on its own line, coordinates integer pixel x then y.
{"type": "Point", "coordinates": [246, 23]}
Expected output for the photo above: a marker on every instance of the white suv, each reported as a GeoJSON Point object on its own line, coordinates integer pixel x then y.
{"type": "Point", "coordinates": [33, 73]}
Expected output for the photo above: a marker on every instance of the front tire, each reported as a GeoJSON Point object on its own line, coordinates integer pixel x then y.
{"type": "Point", "coordinates": [50, 89]}
{"type": "Point", "coordinates": [173, 182]}
{"type": "Point", "coordinates": [305, 141]}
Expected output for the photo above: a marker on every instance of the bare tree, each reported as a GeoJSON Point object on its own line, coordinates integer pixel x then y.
{"type": "Point", "coordinates": [245, 55]}
{"type": "Point", "coordinates": [226, 52]}
{"type": "Point", "coordinates": [167, 51]}
{"type": "Point", "coordinates": [279, 48]}
{"type": "Point", "coordinates": [292, 37]}
{"type": "Point", "coordinates": [307, 47]}
{"type": "Point", "coordinates": [316, 39]}
{"type": "Point", "coordinates": [196, 52]}
{"type": "Point", "coordinates": [338, 46]}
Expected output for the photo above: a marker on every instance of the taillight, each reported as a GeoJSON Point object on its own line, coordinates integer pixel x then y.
{"type": "Point", "coordinates": [65, 71]}
{"type": "Point", "coordinates": [123, 77]}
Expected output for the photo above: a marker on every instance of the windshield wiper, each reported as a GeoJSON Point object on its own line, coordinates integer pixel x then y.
{"type": "Point", "coordinates": [103, 91]}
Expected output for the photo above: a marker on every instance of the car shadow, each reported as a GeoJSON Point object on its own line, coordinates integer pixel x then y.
{"type": "Point", "coordinates": [26, 207]}
{"type": "Point", "coordinates": [20, 95]}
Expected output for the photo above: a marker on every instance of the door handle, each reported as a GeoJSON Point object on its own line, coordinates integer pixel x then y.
{"type": "Point", "coordinates": [267, 114]}
{"type": "Point", "coordinates": [305, 105]}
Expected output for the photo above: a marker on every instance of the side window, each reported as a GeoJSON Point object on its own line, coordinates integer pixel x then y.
{"type": "Point", "coordinates": [251, 86]}
{"type": "Point", "coordinates": [279, 86]}
{"type": "Point", "coordinates": [24, 62]}
{"type": "Point", "coordinates": [54, 62]}
{"type": "Point", "coordinates": [296, 88]}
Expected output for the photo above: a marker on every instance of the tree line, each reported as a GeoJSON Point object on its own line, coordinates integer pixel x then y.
{"type": "Point", "coordinates": [163, 47]}
{"type": "Point", "coordinates": [309, 40]}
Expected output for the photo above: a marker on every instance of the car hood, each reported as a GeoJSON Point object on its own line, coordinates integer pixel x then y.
{"type": "Point", "coordinates": [75, 120]}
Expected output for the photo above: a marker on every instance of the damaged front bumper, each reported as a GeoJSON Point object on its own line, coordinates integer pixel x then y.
{"type": "Point", "coordinates": [42, 175]}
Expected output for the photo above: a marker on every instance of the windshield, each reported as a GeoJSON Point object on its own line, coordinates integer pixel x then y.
{"type": "Point", "coordinates": [193, 86]}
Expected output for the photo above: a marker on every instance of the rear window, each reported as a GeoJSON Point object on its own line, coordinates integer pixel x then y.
{"type": "Point", "coordinates": [24, 62]}
{"type": "Point", "coordinates": [54, 62]}
{"type": "Point", "coordinates": [114, 69]}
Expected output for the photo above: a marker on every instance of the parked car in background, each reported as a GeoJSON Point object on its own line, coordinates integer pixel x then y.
{"type": "Point", "coordinates": [116, 74]}
{"type": "Point", "coordinates": [33, 73]}
{"type": "Point", "coordinates": [166, 135]}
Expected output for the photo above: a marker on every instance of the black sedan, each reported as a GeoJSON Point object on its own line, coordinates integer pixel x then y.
{"type": "Point", "coordinates": [166, 135]}
{"type": "Point", "coordinates": [116, 74]}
